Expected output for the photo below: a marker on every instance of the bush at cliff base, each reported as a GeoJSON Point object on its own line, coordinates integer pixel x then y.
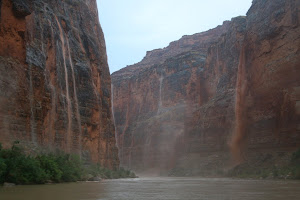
{"type": "Point", "coordinates": [18, 168]}
{"type": "Point", "coordinates": [97, 170]}
{"type": "Point", "coordinates": [61, 167]}
{"type": "Point", "coordinates": [295, 162]}
{"type": "Point", "coordinates": [290, 171]}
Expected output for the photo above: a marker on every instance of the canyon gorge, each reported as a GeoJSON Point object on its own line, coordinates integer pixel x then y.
{"type": "Point", "coordinates": [215, 99]}
{"type": "Point", "coordinates": [54, 79]}
{"type": "Point", "coordinates": [203, 105]}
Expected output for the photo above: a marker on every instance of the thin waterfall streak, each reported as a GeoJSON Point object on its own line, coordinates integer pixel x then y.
{"type": "Point", "coordinates": [160, 93]}
{"type": "Point", "coordinates": [218, 62]}
{"type": "Point", "coordinates": [51, 135]}
{"type": "Point", "coordinates": [123, 138]}
{"type": "Point", "coordinates": [53, 111]}
{"type": "Point", "coordinates": [238, 140]}
{"type": "Point", "coordinates": [126, 124]}
{"type": "Point", "coordinates": [130, 154]}
{"type": "Point", "coordinates": [32, 117]}
{"type": "Point", "coordinates": [76, 98]}
{"type": "Point", "coordinates": [113, 114]}
{"type": "Point", "coordinates": [67, 89]}
{"type": "Point", "coordinates": [160, 90]}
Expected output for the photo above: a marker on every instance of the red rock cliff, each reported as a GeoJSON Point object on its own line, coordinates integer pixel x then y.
{"type": "Point", "coordinates": [233, 90]}
{"type": "Point", "coordinates": [54, 79]}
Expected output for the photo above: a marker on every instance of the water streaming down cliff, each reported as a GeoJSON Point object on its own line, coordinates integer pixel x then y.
{"type": "Point", "coordinates": [78, 139]}
{"type": "Point", "coordinates": [52, 115]}
{"type": "Point", "coordinates": [32, 109]}
{"type": "Point", "coordinates": [232, 91]}
{"type": "Point", "coordinates": [160, 91]}
{"type": "Point", "coordinates": [54, 91]}
{"type": "Point", "coordinates": [239, 136]}
{"type": "Point", "coordinates": [113, 115]}
{"type": "Point", "coordinates": [57, 68]}
{"type": "Point", "coordinates": [67, 94]}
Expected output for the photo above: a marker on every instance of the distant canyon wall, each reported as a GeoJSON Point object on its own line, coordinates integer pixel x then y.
{"type": "Point", "coordinates": [214, 99]}
{"type": "Point", "coordinates": [54, 79]}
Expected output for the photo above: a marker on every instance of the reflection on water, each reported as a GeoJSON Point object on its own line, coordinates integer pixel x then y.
{"type": "Point", "coordinates": [159, 189]}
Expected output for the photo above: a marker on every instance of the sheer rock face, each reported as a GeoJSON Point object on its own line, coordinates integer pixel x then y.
{"type": "Point", "coordinates": [214, 99]}
{"type": "Point", "coordinates": [54, 79]}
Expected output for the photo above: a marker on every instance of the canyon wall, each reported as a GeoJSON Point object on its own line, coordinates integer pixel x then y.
{"type": "Point", "coordinates": [54, 79]}
{"type": "Point", "coordinates": [214, 99]}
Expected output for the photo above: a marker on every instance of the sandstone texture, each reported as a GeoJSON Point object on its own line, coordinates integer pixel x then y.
{"type": "Point", "coordinates": [54, 79]}
{"type": "Point", "coordinates": [214, 99]}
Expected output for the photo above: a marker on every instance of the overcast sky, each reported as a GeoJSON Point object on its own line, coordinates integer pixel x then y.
{"type": "Point", "coordinates": [132, 27]}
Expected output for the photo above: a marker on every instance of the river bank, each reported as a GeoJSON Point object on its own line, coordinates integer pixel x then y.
{"type": "Point", "coordinates": [18, 168]}
{"type": "Point", "coordinates": [263, 168]}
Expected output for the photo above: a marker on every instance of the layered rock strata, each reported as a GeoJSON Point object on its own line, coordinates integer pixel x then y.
{"type": "Point", "coordinates": [214, 99]}
{"type": "Point", "coordinates": [54, 79]}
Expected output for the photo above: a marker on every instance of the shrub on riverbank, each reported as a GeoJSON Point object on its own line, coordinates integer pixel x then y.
{"type": "Point", "coordinates": [61, 167]}
{"type": "Point", "coordinates": [18, 168]}
{"type": "Point", "coordinates": [97, 170]}
{"type": "Point", "coordinates": [291, 171]}
{"type": "Point", "coordinates": [295, 164]}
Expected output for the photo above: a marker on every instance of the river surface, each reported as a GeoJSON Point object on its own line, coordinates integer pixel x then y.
{"type": "Point", "coordinates": [159, 189]}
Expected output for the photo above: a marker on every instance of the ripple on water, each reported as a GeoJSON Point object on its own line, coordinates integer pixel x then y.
{"type": "Point", "coordinates": [159, 189]}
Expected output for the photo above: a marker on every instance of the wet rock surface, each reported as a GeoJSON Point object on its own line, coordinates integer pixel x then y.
{"type": "Point", "coordinates": [54, 79]}
{"type": "Point", "coordinates": [214, 99]}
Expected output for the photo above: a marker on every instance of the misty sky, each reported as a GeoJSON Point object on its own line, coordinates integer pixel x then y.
{"type": "Point", "coordinates": [132, 27]}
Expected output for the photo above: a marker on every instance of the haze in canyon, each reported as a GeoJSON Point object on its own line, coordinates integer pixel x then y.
{"type": "Point", "coordinates": [216, 97]}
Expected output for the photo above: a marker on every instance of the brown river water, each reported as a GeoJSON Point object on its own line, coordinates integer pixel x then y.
{"type": "Point", "coordinates": [159, 189]}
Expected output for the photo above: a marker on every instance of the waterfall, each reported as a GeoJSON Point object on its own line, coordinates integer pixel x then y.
{"type": "Point", "coordinates": [160, 91]}
{"type": "Point", "coordinates": [75, 97]}
{"type": "Point", "coordinates": [113, 114]}
{"type": "Point", "coordinates": [32, 116]}
{"type": "Point", "coordinates": [69, 110]}
{"type": "Point", "coordinates": [53, 111]}
{"type": "Point", "coordinates": [238, 140]}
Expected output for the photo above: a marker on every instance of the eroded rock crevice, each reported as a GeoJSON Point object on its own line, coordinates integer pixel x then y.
{"type": "Point", "coordinates": [53, 57]}
{"type": "Point", "coordinates": [227, 95]}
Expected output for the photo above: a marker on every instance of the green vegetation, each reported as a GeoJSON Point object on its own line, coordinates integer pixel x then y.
{"type": "Point", "coordinates": [295, 164]}
{"type": "Point", "coordinates": [291, 171]}
{"type": "Point", "coordinates": [97, 170]}
{"type": "Point", "coordinates": [19, 168]}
